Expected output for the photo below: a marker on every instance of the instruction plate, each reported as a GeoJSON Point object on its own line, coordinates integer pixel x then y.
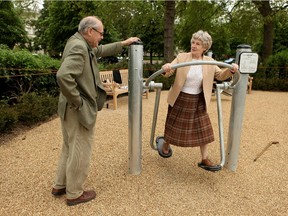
{"type": "Point", "coordinates": [248, 62]}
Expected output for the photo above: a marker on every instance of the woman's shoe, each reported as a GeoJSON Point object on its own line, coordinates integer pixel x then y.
{"type": "Point", "coordinates": [209, 166]}
{"type": "Point", "coordinates": [160, 144]}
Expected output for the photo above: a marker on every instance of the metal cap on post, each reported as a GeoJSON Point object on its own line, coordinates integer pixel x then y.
{"type": "Point", "coordinates": [135, 89]}
{"type": "Point", "coordinates": [237, 113]}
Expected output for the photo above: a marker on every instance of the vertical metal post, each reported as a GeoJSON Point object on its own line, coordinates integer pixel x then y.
{"type": "Point", "coordinates": [135, 91]}
{"type": "Point", "coordinates": [236, 114]}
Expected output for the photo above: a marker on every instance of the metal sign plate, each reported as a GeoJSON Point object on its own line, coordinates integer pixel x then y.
{"type": "Point", "coordinates": [248, 62]}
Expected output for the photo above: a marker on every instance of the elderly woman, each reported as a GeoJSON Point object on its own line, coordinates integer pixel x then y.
{"type": "Point", "coordinates": [187, 122]}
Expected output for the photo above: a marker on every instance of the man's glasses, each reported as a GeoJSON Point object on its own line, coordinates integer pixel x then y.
{"type": "Point", "coordinates": [101, 33]}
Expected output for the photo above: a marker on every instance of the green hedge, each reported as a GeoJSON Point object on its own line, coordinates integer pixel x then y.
{"type": "Point", "coordinates": [32, 109]}
{"type": "Point", "coordinates": [22, 72]}
{"type": "Point", "coordinates": [35, 108]}
{"type": "Point", "coordinates": [270, 84]}
{"type": "Point", "coordinates": [273, 76]}
{"type": "Point", "coordinates": [8, 117]}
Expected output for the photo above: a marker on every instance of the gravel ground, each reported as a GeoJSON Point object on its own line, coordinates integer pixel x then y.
{"type": "Point", "coordinates": [174, 186]}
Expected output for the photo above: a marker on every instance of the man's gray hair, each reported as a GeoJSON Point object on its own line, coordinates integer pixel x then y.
{"type": "Point", "coordinates": [205, 37]}
{"type": "Point", "coordinates": [86, 22]}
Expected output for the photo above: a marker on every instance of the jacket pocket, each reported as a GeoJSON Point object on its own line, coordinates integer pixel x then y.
{"type": "Point", "coordinates": [101, 98]}
{"type": "Point", "coordinates": [87, 114]}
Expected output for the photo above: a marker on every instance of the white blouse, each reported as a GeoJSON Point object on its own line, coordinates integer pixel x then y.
{"type": "Point", "coordinates": [193, 83]}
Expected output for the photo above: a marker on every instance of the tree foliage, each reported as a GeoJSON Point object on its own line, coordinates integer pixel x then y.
{"type": "Point", "coordinates": [59, 21]}
{"type": "Point", "coordinates": [207, 16]}
{"type": "Point", "coordinates": [121, 19]}
{"type": "Point", "coordinates": [147, 24]}
{"type": "Point", "coordinates": [241, 31]}
{"type": "Point", "coordinates": [12, 30]}
{"type": "Point", "coordinates": [228, 22]}
{"type": "Point", "coordinates": [280, 41]}
{"type": "Point", "coordinates": [268, 11]}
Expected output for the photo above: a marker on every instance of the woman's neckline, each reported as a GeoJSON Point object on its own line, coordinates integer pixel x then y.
{"type": "Point", "coordinates": [197, 58]}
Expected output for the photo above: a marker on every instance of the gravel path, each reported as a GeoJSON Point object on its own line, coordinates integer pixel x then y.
{"type": "Point", "coordinates": [174, 186]}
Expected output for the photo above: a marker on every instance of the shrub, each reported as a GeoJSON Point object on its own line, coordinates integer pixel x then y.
{"type": "Point", "coordinates": [35, 108]}
{"type": "Point", "coordinates": [8, 118]}
{"type": "Point", "coordinates": [22, 72]}
{"type": "Point", "coordinates": [274, 75]}
{"type": "Point", "coordinates": [150, 69]}
{"type": "Point", "coordinates": [277, 65]}
{"type": "Point", "coordinates": [270, 84]}
{"type": "Point", "coordinates": [107, 66]}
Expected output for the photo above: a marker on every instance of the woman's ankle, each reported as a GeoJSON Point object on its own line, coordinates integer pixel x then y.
{"type": "Point", "coordinates": [166, 148]}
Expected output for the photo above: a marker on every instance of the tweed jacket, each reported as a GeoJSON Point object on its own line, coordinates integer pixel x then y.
{"type": "Point", "coordinates": [79, 89]}
{"type": "Point", "coordinates": [209, 72]}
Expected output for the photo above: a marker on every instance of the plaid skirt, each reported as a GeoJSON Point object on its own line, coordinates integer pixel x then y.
{"type": "Point", "coordinates": [187, 122]}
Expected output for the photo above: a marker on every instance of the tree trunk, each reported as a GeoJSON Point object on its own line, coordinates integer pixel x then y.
{"type": "Point", "coordinates": [169, 18]}
{"type": "Point", "coordinates": [266, 12]}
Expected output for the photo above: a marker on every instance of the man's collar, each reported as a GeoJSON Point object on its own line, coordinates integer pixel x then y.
{"type": "Point", "coordinates": [80, 37]}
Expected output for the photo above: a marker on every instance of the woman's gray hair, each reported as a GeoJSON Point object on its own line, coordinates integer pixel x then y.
{"type": "Point", "coordinates": [86, 22]}
{"type": "Point", "coordinates": [205, 37]}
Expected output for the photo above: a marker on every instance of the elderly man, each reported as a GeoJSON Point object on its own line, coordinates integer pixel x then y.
{"type": "Point", "coordinates": [82, 96]}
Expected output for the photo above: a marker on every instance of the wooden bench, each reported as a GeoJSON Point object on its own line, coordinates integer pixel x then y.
{"type": "Point", "coordinates": [113, 88]}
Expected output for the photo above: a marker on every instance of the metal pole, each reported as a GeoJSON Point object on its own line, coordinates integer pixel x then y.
{"type": "Point", "coordinates": [236, 114]}
{"type": "Point", "coordinates": [135, 91]}
{"type": "Point", "coordinates": [155, 115]}
{"type": "Point", "coordinates": [220, 123]}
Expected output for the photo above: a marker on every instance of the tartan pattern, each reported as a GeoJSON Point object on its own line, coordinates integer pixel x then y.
{"type": "Point", "coordinates": [187, 122]}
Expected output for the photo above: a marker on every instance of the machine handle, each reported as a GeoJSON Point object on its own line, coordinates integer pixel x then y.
{"type": "Point", "coordinates": [236, 75]}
